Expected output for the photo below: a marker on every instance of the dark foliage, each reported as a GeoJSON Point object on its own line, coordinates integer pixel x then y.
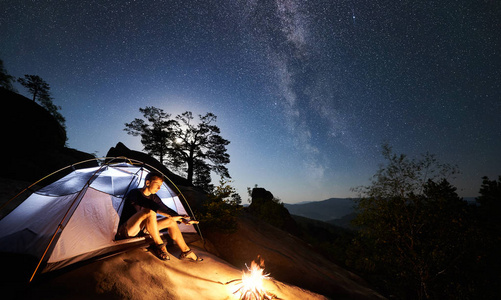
{"type": "Point", "coordinates": [41, 93]}
{"type": "Point", "coordinates": [330, 240]}
{"type": "Point", "coordinates": [417, 238]}
{"type": "Point", "coordinates": [6, 80]}
{"type": "Point", "coordinates": [221, 209]}
{"type": "Point", "coordinates": [198, 148]}
{"type": "Point", "coordinates": [193, 148]}
{"type": "Point", "coordinates": [485, 266]}
{"type": "Point", "coordinates": [155, 131]}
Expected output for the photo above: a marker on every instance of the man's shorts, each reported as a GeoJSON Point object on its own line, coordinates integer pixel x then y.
{"type": "Point", "coordinates": [122, 233]}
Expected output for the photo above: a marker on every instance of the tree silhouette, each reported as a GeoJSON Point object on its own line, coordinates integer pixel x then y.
{"type": "Point", "coordinates": [490, 195]}
{"type": "Point", "coordinates": [155, 132]}
{"type": "Point", "coordinates": [35, 85]}
{"type": "Point", "coordinates": [6, 79]}
{"type": "Point", "coordinates": [221, 209]}
{"type": "Point", "coordinates": [489, 240]}
{"type": "Point", "coordinates": [41, 93]}
{"type": "Point", "coordinates": [194, 148]}
{"type": "Point", "coordinates": [198, 146]}
{"type": "Point", "coordinates": [414, 228]}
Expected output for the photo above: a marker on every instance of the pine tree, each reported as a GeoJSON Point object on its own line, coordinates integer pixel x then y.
{"type": "Point", "coordinates": [193, 148]}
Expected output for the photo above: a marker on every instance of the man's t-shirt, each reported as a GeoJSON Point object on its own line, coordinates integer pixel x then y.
{"type": "Point", "coordinates": [136, 197]}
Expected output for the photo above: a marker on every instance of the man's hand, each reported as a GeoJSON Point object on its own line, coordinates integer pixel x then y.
{"type": "Point", "coordinates": [177, 218]}
{"type": "Point", "coordinates": [187, 220]}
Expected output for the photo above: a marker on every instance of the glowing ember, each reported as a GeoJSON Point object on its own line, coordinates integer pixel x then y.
{"type": "Point", "coordinates": [251, 286]}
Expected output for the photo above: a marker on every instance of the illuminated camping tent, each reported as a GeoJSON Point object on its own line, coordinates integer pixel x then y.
{"type": "Point", "coordinates": [76, 217]}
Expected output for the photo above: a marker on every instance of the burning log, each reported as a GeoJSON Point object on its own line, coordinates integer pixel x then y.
{"type": "Point", "coordinates": [251, 285]}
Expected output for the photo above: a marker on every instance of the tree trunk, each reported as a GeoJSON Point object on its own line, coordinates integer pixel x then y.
{"type": "Point", "coordinates": [190, 166]}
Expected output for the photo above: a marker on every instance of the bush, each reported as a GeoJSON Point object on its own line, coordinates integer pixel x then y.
{"type": "Point", "coordinates": [416, 231]}
{"type": "Point", "coordinates": [221, 209]}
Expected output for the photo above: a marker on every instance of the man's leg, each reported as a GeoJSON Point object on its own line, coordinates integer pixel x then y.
{"type": "Point", "coordinates": [150, 222]}
{"type": "Point", "coordinates": [178, 238]}
{"type": "Point", "coordinates": [133, 225]}
{"type": "Point", "coordinates": [147, 218]}
{"type": "Point", "coordinates": [174, 232]}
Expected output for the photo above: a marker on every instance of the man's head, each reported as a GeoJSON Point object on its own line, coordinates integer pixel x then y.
{"type": "Point", "coordinates": [153, 182]}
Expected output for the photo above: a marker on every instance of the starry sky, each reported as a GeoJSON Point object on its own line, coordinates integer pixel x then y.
{"type": "Point", "coordinates": [307, 92]}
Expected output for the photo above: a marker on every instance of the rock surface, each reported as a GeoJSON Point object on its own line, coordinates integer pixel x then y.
{"type": "Point", "coordinates": [34, 142]}
{"type": "Point", "coordinates": [288, 259]}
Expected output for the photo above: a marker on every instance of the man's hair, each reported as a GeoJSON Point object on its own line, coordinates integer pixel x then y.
{"type": "Point", "coordinates": [152, 175]}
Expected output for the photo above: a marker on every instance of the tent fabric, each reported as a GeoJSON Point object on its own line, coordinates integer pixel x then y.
{"type": "Point", "coordinates": [79, 213]}
{"type": "Point", "coordinates": [38, 215]}
{"type": "Point", "coordinates": [91, 227]}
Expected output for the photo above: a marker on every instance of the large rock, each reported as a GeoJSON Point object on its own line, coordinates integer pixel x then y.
{"type": "Point", "coordinates": [34, 142]}
{"type": "Point", "coordinates": [138, 274]}
{"type": "Point", "coordinates": [265, 207]}
{"type": "Point", "coordinates": [287, 259]}
{"type": "Point", "coordinates": [121, 150]}
{"type": "Point", "coordinates": [195, 196]}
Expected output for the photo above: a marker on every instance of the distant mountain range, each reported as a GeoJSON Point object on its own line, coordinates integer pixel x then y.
{"type": "Point", "coordinates": [335, 211]}
{"type": "Point", "coordinates": [326, 210]}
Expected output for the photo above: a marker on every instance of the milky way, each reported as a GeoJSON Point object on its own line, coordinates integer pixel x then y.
{"type": "Point", "coordinates": [306, 91]}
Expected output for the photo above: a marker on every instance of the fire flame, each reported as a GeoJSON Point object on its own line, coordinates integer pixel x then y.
{"type": "Point", "coordinates": [251, 286]}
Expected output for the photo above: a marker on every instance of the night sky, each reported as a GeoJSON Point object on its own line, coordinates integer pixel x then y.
{"type": "Point", "coordinates": [306, 91]}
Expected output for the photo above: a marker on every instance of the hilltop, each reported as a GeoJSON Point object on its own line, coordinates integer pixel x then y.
{"type": "Point", "coordinates": [298, 270]}
{"type": "Point", "coordinates": [326, 210]}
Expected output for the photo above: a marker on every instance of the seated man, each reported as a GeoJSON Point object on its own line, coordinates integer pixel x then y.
{"type": "Point", "coordinates": [140, 215]}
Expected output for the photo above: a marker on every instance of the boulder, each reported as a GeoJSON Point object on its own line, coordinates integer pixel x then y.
{"type": "Point", "coordinates": [121, 150]}
{"type": "Point", "coordinates": [34, 142]}
{"type": "Point", "coordinates": [265, 207]}
{"type": "Point", "coordinates": [195, 196]}
{"type": "Point", "coordinates": [287, 259]}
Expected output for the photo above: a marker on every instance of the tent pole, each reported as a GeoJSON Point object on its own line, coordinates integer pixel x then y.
{"type": "Point", "coordinates": [60, 226]}
{"type": "Point", "coordinates": [45, 252]}
{"type": "Point", "coordinates": [36, 182]}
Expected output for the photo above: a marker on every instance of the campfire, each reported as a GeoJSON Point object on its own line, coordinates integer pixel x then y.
{"type": "Point", "coordinates": [251, 285]}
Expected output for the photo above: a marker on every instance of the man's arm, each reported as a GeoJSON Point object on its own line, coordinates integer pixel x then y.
{"type": "Point", "coordinates": [176, 218]}
{"type": "Point", "coordinates": [166, 211]}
